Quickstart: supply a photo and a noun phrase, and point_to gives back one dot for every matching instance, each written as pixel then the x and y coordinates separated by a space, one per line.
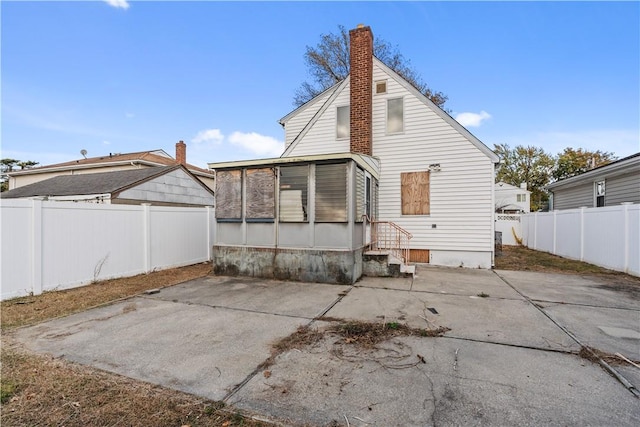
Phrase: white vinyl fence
pixel 510 226
pixel 607 236
pixel 49 245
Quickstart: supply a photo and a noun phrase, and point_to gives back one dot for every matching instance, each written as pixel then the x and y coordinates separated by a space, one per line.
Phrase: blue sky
pixel 123 76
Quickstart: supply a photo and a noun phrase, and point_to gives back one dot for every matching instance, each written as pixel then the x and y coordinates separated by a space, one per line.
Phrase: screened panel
pixel 342 122
pixel 331 193
pixel 229 194
pixel 415 193
pixel 294 184
pixel 260 193
pixel 395 116
pixel 360 195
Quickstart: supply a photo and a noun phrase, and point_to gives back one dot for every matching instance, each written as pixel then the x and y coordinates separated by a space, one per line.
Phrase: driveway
pixel 510 356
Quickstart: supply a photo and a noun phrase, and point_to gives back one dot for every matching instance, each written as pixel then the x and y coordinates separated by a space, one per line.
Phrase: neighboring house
pixel 607 185
pixel 159 186
pixel 109 163
pixel 436 178
pixel 367 157
pixel 511 199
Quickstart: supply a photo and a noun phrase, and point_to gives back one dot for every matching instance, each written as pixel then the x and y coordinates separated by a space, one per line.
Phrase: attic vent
pixel 381 87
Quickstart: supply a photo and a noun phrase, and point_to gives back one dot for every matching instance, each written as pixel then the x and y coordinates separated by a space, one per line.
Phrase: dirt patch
pixel 520 258
pixel 33 309
pixel 39 390
pixel 594 355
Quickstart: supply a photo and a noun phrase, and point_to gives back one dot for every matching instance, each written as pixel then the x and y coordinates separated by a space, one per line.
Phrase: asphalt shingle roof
pixel 94 183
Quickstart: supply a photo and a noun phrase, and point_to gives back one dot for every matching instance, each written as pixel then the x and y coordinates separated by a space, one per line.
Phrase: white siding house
pixel 512 199
pixel 457 226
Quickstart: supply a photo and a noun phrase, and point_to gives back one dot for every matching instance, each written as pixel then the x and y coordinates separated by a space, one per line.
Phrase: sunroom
pixel 295 218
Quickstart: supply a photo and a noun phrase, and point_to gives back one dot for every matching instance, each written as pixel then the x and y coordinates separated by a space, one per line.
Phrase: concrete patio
pixel 509 358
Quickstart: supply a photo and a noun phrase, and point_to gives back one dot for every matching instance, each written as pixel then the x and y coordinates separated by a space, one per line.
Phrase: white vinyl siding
pixel 461 201
pixel 295 124
pixel 461 205
pixel 321 138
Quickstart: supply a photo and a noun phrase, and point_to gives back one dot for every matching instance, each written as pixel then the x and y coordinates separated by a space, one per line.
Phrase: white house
pixel 512 199
pixel 436 178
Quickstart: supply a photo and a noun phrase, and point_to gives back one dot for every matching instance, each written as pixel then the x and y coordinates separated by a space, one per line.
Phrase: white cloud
pixel 120 4
pixel 208 135
pixel 106 143
pixel 472 119
pixel 260 145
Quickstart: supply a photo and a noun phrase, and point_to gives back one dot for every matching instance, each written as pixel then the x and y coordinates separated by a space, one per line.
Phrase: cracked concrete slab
pixel 460 383
pixel 613 291
pixel 193 348
pixel 261 295
pixel 485 319
pixel 441 280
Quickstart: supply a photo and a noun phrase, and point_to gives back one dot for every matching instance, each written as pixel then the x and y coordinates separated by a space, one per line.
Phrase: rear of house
pixel 436 178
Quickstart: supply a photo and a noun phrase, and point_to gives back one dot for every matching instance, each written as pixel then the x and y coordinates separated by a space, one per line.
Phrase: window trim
pixel 348 135
pixel 596 196
pixel 387 131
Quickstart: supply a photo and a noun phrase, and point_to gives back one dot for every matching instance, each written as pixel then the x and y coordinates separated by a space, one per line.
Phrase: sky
pixel 123 76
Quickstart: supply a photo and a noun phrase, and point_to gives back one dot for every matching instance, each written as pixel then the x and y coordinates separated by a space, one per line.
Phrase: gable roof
pixel 625 165
pixel 409 87
pixel 92 183
pixel 337 89
pixel 150 158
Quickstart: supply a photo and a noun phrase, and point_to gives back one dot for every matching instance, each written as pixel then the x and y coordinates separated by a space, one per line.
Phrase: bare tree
pixel 328 64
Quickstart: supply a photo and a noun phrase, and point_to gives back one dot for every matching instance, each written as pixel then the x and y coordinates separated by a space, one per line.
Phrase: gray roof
pixel 93 183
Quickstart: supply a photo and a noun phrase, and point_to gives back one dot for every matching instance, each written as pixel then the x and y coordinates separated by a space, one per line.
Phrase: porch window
pixel 260 194
pixel 294 183
pixel 331 193
pixel 342 122
pixel 229 194
pixel 395 115
pixel 415 193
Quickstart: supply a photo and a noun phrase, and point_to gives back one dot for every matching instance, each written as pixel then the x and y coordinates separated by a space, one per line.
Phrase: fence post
pixel 555 232
pixel 582 209
pixel 535 231
pixel 209 234
pixel 146 235
pixel 36 247
pixel 627 240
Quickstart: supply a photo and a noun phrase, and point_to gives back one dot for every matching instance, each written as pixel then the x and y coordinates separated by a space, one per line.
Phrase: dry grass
pixel 33 309
pixel 525 259
pixel 42 391
pixel 593 355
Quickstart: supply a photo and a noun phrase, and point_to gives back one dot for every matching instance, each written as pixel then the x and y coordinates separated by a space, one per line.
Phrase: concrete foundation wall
pixel 465 259
pixel 377 265
pixel 305 265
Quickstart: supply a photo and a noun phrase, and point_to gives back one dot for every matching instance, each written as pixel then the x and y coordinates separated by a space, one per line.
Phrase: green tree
pixel 328 64
pixel 575 162
pixel 7 165
pixel 526 164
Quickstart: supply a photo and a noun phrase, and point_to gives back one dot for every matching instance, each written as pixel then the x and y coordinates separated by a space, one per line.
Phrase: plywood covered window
pixel 260 194
pixel 331 193
pixel 229 194
pixel 294 185
pixel 415 193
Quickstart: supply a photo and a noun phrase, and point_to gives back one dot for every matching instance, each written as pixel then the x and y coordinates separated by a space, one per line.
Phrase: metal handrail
pixel 389 236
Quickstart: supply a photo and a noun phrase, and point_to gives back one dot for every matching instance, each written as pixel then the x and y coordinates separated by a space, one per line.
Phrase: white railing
pixel 48 245
pixel 388 236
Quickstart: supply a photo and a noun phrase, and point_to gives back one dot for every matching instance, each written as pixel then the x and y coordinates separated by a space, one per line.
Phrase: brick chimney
pixel 181 153
pixel 361 82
